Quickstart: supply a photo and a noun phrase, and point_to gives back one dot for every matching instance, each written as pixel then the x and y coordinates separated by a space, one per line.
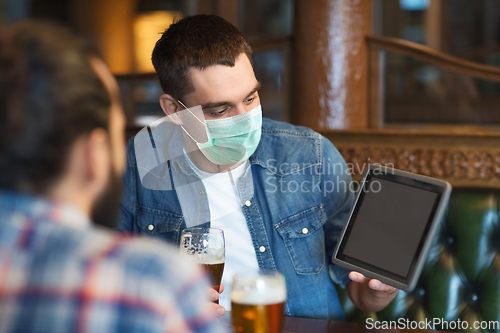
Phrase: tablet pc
pixel 391 225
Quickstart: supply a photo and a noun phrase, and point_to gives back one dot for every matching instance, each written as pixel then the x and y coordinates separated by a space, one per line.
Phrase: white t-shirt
pixel 226 214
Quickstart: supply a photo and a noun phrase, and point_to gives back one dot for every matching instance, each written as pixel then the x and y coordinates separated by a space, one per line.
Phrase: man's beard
pixel 105 210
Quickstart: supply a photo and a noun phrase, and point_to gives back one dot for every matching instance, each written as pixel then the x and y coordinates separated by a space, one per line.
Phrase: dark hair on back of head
pixel 49 96
pixel 195 41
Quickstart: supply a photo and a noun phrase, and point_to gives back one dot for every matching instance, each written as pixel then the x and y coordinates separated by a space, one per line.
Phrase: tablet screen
pixel 389 224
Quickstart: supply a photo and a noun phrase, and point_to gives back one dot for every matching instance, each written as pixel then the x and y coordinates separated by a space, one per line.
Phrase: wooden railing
pixel 377 45
pixel 465 155
pixel 422 52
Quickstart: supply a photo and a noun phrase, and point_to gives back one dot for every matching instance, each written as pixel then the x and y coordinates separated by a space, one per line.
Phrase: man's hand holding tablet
pixel 388 233
pixel 369 294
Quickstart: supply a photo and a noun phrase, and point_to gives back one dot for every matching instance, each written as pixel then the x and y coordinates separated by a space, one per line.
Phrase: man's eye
pixel 218 112
pixel 250 100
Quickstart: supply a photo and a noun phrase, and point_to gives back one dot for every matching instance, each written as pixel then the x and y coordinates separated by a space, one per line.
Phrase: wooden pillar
pixel 109 23
pixel 330 63
pixel 433 23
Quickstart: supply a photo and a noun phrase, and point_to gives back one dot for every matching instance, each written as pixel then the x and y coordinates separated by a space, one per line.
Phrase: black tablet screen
pixel 388 225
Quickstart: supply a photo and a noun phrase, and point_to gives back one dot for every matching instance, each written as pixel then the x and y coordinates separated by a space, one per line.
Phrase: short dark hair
pixel 49 97
pixel 195 41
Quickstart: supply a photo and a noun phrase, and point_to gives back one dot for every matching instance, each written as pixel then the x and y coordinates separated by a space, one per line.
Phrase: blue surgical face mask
pixel 234 139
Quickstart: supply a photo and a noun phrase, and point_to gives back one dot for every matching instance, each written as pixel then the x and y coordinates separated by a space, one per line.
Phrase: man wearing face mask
pixel 214 161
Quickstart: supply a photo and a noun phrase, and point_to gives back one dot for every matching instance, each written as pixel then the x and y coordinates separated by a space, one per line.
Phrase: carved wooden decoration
pixel 463 160
pixel 429 162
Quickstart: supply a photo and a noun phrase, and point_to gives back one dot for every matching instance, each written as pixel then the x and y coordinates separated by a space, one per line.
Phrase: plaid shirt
pixel 58 273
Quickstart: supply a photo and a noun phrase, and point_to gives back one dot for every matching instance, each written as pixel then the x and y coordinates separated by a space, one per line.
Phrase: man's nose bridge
pixel 241 108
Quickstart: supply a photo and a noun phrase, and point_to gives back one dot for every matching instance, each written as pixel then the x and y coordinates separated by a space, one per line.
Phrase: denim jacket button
pixel 305 231
pixel 262 249
pixel 201 192
pixel 151 227
pixel 248 204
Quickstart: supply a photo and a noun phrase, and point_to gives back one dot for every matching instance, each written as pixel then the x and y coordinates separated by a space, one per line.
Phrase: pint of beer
pixel 205 246
pixel 215 268
pixel 257 302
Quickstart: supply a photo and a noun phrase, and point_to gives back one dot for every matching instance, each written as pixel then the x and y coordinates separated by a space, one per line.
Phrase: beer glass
pixel 205 246
pixel 258 301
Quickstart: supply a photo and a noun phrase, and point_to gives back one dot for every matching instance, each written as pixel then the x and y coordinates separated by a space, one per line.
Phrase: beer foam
pixel 208 259
pixel 260 297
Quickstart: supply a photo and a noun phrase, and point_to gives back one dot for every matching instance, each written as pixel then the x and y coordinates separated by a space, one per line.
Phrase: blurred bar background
pixel 319 68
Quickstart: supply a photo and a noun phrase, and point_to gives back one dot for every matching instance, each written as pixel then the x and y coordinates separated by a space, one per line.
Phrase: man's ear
pixel 170 107
pixel 168 104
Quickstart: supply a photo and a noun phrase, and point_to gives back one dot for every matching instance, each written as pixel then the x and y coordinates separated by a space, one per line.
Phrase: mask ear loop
pixel 191 112
pixel 185 131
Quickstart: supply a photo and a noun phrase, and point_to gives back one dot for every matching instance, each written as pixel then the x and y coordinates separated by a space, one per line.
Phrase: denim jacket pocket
pixel 159 224
pixel 304 239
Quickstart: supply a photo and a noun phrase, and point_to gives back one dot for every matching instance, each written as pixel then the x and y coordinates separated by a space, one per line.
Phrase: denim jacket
pixel 295 198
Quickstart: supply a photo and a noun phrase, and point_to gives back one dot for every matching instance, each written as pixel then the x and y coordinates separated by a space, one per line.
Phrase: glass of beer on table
pixel 205 246
pixel 258 302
